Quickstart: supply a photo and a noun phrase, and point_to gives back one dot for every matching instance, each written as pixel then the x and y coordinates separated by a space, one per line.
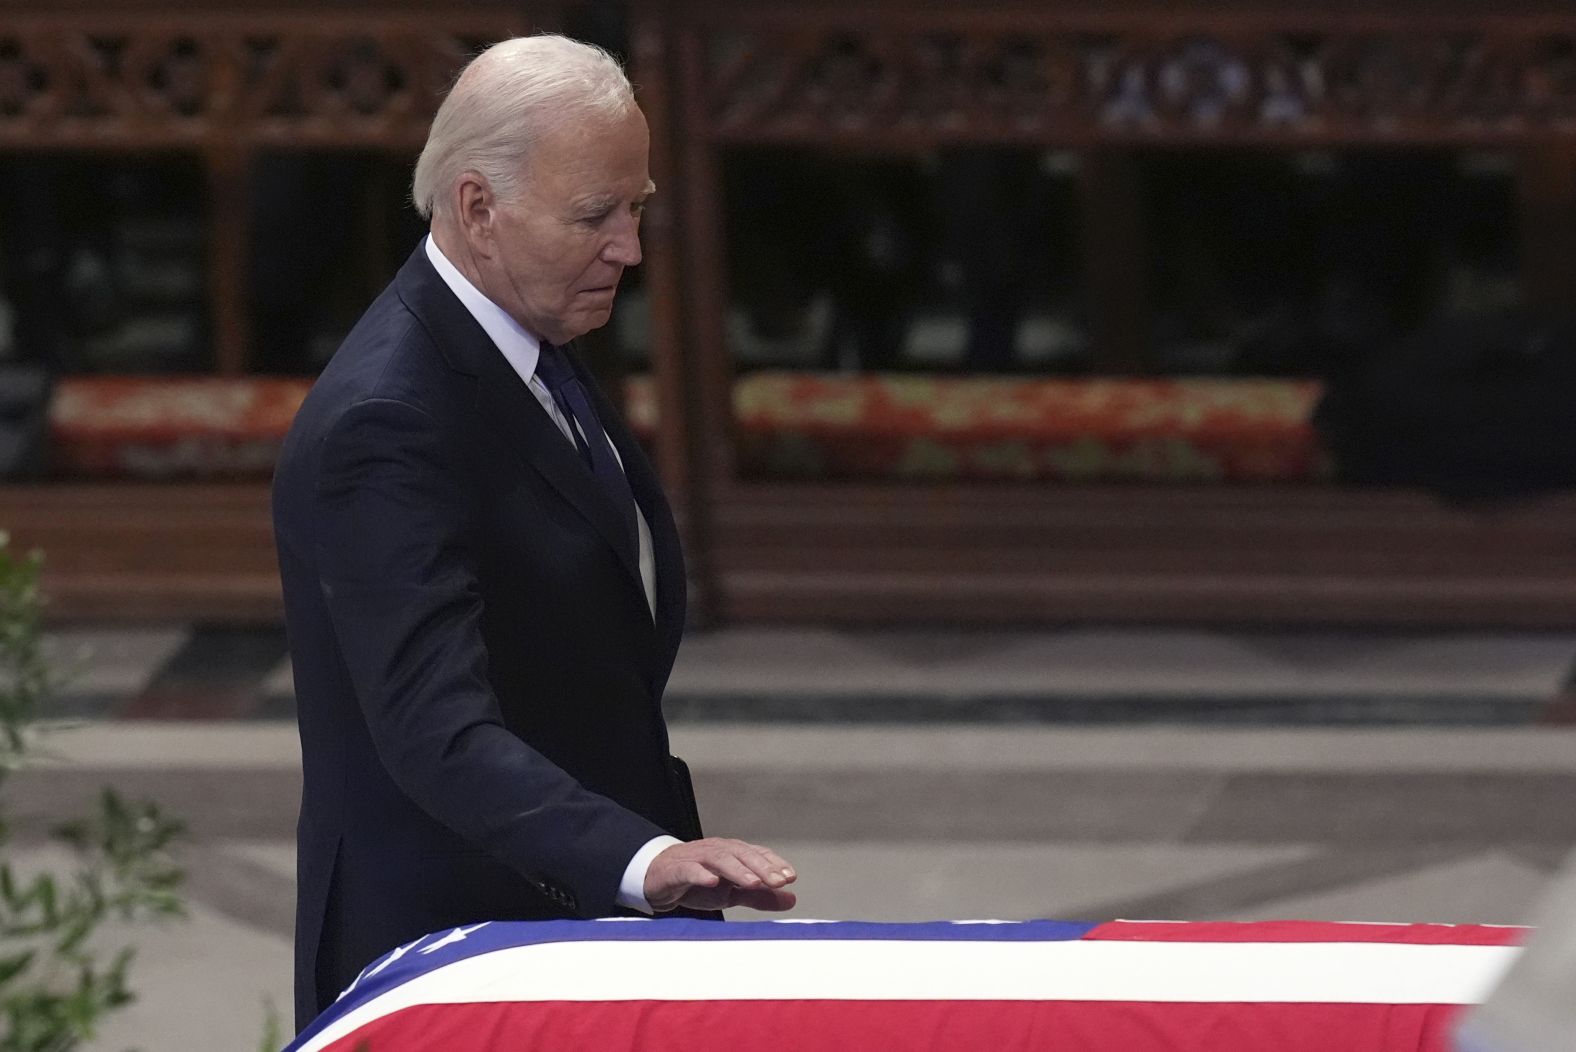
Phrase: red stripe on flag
pixel 1308 931
pixel 905 1026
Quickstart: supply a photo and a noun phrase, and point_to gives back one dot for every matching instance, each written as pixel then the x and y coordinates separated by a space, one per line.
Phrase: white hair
pixel 505 100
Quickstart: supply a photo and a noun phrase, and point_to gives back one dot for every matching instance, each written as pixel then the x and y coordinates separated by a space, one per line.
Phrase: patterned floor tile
pixel 101 668
pixel 1315 872
pixel 1070 676
pixel 218 674
pixel 1400 809
pixel 1486 888
pixel 902 882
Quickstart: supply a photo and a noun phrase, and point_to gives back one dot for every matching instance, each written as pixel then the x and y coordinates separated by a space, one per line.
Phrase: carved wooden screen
pixel 880 76
pixel 225 85
pixel 119 81
pixel 874 74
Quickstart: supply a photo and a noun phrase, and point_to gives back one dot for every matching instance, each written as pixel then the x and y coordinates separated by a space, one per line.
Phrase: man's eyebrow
pixel 603 202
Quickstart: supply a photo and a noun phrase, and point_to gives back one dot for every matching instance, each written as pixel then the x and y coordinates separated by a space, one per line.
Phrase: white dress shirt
pixel 521 349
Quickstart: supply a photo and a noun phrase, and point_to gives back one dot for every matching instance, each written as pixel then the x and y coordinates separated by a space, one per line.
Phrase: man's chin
pixel 586 321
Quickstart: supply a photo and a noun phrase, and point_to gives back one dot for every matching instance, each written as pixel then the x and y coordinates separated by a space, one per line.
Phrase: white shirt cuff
pixel 632 889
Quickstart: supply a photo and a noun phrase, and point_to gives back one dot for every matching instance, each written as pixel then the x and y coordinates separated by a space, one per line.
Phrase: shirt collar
pixel 518 346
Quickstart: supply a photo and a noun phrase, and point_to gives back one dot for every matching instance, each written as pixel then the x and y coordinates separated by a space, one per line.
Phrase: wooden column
pixel 705 360
pixel 659 242
pixel 385 186
pixel 706 271
pixel 1548 224
pixel 1116 260
pixel 229 235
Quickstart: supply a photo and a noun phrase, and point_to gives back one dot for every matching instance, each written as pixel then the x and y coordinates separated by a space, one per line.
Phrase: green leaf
pixel 13 965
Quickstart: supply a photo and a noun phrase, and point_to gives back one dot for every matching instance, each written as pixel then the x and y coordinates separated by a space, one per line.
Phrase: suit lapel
pixel 509 404
pixel 666 552
pixel 528 429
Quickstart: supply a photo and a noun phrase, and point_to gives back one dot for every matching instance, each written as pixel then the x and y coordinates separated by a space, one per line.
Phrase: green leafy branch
pixel 55 985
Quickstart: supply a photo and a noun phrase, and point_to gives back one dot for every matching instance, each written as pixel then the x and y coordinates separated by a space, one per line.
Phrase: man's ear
pixel 477 209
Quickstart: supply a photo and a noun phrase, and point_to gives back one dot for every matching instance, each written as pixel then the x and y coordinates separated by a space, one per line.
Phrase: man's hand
pixel 715 873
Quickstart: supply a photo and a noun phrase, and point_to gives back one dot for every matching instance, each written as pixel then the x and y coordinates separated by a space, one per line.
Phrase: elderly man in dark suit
pixel 483 585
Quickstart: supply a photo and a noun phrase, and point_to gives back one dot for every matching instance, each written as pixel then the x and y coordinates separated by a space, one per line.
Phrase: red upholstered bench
pixel 171 427
pixel 790 425
pixel 805 425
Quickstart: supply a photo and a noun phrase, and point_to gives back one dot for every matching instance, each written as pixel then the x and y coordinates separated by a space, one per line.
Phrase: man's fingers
pixel 778 863
pixel 771 900
pixel 745 865
pixel 747 869
pixel 773 861
pixel 767 867
pixel 712 873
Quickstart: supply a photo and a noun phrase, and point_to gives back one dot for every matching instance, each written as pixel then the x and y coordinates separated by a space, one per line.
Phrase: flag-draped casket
pixel 960 986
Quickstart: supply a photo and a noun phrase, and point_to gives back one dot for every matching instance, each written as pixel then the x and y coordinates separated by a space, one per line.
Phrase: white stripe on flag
pixel 900 970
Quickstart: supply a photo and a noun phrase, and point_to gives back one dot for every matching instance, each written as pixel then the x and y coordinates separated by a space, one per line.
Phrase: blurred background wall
pixel 973 312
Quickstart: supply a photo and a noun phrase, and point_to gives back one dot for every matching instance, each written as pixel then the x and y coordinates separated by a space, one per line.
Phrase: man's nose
pixel 624 248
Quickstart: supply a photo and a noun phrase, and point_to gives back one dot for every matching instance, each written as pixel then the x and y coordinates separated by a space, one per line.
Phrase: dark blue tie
pixel 559 376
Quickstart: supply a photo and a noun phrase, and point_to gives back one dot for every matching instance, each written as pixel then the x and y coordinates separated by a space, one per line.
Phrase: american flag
pixel 955 986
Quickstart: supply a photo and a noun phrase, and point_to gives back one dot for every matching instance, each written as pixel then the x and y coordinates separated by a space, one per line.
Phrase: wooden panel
pixel 1140 554
pixel 145 8
pixel 875 554
pixel 149 551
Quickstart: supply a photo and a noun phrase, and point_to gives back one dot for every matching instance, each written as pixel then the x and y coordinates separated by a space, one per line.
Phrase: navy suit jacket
pixel 478 675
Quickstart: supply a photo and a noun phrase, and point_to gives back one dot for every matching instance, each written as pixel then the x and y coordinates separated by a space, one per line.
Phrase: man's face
pixel 563 245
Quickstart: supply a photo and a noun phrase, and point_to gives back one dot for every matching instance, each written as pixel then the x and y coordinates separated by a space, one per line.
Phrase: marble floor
pixel 896 823
pixel 1120 676
pixel 1079 775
